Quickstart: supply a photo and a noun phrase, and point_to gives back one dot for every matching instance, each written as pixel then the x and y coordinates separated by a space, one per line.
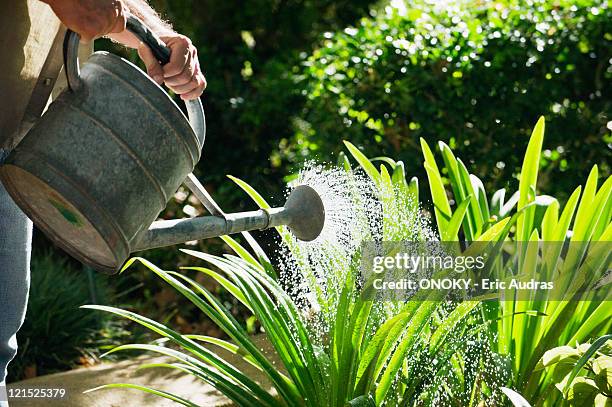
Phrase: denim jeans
pixel 15 247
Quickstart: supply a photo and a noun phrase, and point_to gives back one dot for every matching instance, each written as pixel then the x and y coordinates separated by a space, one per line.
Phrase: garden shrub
pixel 428 349
pixel 592 386
pixel 474 74
pixel 56 333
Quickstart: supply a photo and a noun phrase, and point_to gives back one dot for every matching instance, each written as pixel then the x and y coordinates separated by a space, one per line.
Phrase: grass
pixel 430 350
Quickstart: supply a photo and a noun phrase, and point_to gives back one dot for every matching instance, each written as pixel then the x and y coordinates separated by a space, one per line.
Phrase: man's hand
pixel 182 74
pixel 95 18
pixel 91 18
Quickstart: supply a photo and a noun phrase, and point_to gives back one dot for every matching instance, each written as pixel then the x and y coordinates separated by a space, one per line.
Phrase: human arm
pixel 182 74
pixel 91 18
pixel 95 18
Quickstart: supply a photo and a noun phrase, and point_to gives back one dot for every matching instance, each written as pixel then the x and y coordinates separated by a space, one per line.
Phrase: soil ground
pixel 75 382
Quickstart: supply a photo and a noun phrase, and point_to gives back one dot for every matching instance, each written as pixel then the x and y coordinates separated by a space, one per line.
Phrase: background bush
pixel 288 80
pixel 474 74
pixel 56 334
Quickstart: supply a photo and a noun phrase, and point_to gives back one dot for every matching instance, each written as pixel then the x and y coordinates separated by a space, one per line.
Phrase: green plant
pixel 592 388
pixel 583 374
pixel 56 333
pixel 425 351
pixel 370 354
pixel 313 373
pixel 525 329
pixel 471 73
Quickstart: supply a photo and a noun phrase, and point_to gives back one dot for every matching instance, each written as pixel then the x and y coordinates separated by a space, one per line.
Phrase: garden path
pixel 78 380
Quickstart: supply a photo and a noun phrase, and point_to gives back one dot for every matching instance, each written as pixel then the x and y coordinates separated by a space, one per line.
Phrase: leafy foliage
pixel 373 355
pixel 474 74
pixel 355 365
pixel 594 385
pixel 56 333
pixel 526 328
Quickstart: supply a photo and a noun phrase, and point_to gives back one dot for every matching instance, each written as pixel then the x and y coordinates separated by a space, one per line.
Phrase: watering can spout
pixel 303 213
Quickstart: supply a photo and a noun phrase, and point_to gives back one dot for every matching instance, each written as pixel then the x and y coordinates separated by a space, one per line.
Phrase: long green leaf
pixel 145 389
pixel 365 163
pixel 452 229
pixel 528 180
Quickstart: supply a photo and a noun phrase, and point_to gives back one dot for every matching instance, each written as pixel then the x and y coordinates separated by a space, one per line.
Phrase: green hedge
pixel 474 74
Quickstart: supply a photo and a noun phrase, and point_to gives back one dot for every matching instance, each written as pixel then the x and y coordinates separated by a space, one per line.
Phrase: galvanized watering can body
pixel 104 160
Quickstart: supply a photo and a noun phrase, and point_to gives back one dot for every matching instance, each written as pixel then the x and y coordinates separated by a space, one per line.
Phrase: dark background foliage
pixel 56 334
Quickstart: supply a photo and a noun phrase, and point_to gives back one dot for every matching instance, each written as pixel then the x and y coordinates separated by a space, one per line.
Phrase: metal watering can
pixel 101 164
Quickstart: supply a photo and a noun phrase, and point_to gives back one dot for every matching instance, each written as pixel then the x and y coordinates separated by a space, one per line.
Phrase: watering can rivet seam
pixel 268 217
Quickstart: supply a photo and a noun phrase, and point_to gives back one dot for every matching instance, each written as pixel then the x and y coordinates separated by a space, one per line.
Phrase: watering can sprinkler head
pixel 306 213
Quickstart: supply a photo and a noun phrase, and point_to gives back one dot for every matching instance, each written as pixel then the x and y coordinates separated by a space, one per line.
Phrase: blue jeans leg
pixel 15 248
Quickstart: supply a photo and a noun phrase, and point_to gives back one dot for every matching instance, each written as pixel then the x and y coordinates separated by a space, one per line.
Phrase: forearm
pixel 92 19
pixel 142 10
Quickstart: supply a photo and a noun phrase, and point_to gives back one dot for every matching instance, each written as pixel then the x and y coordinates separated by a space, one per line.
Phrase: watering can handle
pixel 144 34
pixel 134 25
pixel 195 110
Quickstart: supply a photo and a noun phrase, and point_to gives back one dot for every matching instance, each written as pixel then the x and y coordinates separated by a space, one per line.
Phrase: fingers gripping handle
pixel 135 26
pixel 160 51
pixel 144 34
